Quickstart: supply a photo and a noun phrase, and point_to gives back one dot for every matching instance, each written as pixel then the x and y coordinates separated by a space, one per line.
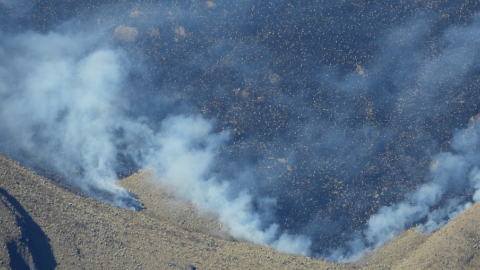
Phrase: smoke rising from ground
pixel 322 129
pixel 60 105
pixel 63 107
pixel 450 181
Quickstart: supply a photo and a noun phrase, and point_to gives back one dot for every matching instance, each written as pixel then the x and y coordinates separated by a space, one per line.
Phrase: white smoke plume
pixel 58 98
pixel 451 172
pixel 452 183
pixel 61 101
pixel 183 156
pixel 325 134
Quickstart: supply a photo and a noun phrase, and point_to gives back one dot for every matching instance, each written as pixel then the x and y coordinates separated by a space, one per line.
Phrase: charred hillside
pixel 317 128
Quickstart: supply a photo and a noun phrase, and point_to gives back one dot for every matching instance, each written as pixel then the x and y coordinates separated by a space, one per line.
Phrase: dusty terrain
pixel 48 226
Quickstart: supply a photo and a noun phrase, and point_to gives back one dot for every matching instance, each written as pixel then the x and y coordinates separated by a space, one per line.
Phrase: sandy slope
pixel 41 222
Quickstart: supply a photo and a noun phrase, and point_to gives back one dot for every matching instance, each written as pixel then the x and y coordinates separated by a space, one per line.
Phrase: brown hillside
pixel 455 246
pixel 49 227
pixel 87 234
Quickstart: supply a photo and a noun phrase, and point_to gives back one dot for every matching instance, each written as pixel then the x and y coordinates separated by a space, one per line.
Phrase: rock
pixel 126 33
pixel 210 4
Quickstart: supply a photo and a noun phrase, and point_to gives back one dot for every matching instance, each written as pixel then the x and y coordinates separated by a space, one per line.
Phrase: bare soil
pixel 46 226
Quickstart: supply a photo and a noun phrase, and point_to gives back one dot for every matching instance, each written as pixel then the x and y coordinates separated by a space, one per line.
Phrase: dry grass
pixel 88 234
pixel 172 234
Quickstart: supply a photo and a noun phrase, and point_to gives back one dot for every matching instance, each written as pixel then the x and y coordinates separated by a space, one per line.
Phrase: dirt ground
pixel 47 226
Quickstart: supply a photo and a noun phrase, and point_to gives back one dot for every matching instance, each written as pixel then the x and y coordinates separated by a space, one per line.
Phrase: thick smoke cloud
pixel 322 129
pixel 62 107
pixel 184 158
pixel 60 104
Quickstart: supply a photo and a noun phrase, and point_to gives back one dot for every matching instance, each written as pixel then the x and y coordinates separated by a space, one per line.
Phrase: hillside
pixel 302 124
pixel 46 225
pixel 87 234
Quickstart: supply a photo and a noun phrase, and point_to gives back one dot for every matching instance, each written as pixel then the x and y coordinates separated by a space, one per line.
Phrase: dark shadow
pixel 17 262
pixel 33 237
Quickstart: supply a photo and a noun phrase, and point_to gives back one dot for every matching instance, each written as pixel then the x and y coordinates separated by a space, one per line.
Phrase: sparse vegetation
pixel 172 234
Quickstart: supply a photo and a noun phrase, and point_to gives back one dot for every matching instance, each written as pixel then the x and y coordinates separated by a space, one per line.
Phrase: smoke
pixel 454 173
pixel 184 157
pixel 63 109
pixel 322 129
pixel 60 105
pixel 451 182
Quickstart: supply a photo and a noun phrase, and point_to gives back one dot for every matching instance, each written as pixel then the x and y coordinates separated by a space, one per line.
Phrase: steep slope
pixel 455 246
pixel 85 233
pixel 9 234
pixel 41 219
pixel 393 253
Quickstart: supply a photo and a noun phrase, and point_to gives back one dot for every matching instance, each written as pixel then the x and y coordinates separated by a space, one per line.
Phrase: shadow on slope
pixel 32 250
